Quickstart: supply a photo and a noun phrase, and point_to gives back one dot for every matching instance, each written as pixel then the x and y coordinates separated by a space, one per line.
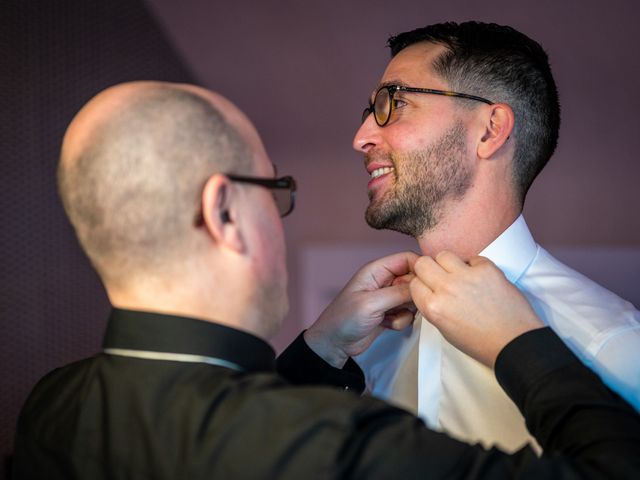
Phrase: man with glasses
pixel 186 386
pixel 464 118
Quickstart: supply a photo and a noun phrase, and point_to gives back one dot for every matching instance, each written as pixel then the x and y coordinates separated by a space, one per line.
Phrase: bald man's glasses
pixel 283 190
pixel 383 103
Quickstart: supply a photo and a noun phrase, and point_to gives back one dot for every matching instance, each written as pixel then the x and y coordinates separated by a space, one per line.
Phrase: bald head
pixel 133 164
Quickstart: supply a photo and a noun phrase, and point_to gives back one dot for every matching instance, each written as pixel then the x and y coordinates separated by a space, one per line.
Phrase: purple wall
pixel 303 71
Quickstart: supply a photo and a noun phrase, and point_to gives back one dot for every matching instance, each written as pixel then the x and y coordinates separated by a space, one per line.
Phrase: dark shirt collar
pixel 135 330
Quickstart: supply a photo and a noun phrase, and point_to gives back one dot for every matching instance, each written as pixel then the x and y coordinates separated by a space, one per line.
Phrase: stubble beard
pixel 424 180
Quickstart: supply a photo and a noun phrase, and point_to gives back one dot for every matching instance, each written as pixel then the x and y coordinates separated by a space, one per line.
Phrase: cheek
pixel 407 138
pixel 420 131
pixel 271 247
pixel 281 255
pixel 267 239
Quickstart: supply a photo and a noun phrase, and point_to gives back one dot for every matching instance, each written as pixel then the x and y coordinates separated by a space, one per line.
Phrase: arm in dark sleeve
pixel 302 366
pixel 586 430
pixel 576 419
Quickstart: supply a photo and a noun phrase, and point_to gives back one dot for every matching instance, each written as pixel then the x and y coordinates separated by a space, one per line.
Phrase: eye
pixel 398 103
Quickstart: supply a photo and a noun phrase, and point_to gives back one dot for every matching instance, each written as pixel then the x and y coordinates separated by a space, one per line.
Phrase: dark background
pixel 302 71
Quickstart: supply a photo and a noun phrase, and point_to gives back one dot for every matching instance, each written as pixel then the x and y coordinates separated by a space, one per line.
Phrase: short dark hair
pixel 499 63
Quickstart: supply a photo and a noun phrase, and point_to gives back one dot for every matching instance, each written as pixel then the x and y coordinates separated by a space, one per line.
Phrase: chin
pixel 377 216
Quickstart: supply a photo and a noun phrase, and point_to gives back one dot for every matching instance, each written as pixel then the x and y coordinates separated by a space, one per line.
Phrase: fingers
pixel 475 261
pixel 421 294
pixel 398 320
pixel 384 270
pixel 429 272
pixel 389 298
pixel 484 269
pixel 403 279
pixel 450 262
pixel 434 273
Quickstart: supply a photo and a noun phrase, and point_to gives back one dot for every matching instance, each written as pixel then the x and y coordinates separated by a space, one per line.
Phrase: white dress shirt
pixel 461 396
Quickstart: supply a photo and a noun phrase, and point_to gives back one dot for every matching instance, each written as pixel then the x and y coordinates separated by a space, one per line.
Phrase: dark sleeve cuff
pixel 302 366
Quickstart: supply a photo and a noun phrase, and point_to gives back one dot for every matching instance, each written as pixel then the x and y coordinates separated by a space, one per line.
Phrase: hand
pixel 377 297
pixel 473 305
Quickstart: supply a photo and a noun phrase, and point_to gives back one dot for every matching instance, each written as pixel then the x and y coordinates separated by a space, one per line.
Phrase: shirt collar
pixel 147 331
pixel 513 251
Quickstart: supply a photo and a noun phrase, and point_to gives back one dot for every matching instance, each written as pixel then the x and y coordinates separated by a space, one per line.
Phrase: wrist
pixel 325 349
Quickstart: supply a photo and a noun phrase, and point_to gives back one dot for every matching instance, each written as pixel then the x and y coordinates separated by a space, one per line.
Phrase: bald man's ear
pixel 219 214
pixel 499 128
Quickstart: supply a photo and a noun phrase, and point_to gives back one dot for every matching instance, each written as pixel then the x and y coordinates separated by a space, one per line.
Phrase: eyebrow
pixel 388 83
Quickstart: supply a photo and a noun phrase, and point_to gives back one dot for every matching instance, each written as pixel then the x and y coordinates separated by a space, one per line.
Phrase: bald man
pixel 174 200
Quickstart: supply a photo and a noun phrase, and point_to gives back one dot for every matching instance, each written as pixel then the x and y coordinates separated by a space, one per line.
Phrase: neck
pixel 470 224
pixel 210 300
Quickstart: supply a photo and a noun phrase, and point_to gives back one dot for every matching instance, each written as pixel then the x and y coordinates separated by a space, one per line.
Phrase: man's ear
pixel 499 128
pixel 219 213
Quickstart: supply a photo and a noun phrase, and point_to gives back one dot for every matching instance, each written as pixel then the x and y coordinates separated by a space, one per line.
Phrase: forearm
pixel 586 431
pixel 568 409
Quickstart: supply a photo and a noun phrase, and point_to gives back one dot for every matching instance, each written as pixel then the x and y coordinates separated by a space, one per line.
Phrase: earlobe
pixel 498 130
pixel 219 214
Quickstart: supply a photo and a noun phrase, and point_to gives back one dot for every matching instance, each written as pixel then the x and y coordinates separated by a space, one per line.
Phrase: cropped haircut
pixel 501 64
pixel 133 190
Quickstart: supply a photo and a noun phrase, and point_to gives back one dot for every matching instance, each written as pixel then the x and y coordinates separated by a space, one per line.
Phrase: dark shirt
pixel 114 416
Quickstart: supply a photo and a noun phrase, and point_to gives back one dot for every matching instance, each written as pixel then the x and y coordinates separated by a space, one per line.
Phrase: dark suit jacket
pixel 179 398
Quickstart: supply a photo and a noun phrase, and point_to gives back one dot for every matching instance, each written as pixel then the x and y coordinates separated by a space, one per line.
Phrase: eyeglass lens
pixel 382 106
pixel 284 200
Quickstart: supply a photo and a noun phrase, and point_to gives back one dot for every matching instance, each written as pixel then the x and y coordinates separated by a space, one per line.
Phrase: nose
pixel 367 136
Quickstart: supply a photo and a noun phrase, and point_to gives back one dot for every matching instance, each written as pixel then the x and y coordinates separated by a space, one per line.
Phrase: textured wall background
pixel 55 56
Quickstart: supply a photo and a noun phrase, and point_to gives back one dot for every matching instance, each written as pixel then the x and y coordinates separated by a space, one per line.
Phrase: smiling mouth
pixel 381 171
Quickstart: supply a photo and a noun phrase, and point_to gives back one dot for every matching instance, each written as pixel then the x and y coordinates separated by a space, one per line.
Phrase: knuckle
pixel 433 309
pixel 421 262
pixel 443 256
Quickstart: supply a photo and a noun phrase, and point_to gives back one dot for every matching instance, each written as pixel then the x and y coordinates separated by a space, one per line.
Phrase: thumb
pixel 473 261
pixel 399 319
pixel 387 298
pixel 403 279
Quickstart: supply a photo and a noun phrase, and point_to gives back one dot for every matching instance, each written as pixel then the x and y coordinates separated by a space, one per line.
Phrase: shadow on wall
pixel 59 54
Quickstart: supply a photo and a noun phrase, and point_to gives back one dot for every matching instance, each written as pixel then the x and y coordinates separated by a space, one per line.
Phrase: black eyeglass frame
pixel 287 182
pixel 281 183
pixel 393 89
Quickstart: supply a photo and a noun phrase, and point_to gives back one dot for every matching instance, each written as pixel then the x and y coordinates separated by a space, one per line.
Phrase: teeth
pixel 381 171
